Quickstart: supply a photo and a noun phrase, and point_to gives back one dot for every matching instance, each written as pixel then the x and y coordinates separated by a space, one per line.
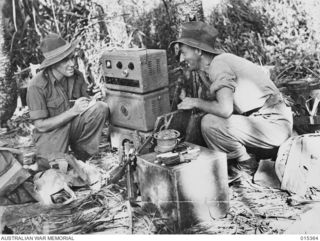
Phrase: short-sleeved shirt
pixel 250 82
pixel 47 97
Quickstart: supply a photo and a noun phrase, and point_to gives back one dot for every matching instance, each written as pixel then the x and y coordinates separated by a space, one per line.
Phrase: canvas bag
pixel 298 164
pixel 12 174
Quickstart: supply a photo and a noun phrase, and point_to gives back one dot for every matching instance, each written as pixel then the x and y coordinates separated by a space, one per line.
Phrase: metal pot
pixel 166 140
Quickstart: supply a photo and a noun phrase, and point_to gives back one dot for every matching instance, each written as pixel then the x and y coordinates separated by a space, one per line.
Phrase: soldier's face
pixel 66 66
pixel 191 56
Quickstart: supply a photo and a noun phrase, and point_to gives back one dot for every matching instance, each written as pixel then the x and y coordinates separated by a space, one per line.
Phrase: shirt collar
pixel 52 78
pixel 206 68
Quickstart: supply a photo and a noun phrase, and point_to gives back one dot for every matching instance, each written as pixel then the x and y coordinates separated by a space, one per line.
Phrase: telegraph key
pixel 135 70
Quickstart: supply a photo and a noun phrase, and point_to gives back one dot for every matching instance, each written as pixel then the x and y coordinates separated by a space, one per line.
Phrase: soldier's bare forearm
pixel 222 106
pixel 214 108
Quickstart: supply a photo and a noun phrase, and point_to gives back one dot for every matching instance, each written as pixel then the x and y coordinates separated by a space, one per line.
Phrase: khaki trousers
pixel 82 134
pixel 267 128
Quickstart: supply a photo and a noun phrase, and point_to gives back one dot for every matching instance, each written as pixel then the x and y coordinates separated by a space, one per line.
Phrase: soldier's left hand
pixel 188 103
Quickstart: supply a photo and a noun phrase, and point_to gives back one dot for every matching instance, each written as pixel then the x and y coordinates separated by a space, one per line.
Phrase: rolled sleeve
pixel 221 76
pixel 38 114
pixel 36 103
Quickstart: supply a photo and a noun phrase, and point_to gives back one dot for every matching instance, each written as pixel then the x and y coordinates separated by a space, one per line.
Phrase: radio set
pixel 138 112
pixel 135 70
pixel 137 83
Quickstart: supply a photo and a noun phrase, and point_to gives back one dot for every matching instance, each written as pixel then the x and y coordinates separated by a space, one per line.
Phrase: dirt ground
pixel 253 209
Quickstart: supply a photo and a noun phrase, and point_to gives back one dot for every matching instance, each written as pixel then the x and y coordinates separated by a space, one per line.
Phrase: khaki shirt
pixel 250 82
pixel 47 97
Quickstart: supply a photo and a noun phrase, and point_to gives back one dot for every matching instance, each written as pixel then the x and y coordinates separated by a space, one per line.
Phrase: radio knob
pixel 125 73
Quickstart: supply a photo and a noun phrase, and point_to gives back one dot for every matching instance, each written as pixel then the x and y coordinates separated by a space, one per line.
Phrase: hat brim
pixel 48 62
pixel 196 44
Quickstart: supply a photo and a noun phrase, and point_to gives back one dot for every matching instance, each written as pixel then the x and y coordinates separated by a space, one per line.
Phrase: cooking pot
pixel 166 140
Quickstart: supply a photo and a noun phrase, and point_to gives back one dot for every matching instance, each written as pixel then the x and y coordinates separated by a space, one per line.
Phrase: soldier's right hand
pixel 80 105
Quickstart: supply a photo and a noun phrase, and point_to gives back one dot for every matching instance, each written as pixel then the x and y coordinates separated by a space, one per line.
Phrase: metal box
pixel 136 111
pixel 187 193
pixel 135 70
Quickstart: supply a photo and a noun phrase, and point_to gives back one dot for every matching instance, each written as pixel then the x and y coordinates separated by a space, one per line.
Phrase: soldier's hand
pixel 80 105
pixel 94 91
pixel 97 93
pixel 188 103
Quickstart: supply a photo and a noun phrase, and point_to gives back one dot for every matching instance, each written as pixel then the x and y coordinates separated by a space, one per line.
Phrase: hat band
pixel 196 44
pixel 57 51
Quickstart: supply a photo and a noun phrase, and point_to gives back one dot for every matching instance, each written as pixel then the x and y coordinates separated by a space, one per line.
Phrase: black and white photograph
pixel 170 118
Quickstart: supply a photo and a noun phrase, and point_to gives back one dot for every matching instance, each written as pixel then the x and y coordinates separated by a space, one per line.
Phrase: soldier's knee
pixel 210 122
pixel 102 108
pixel 204 123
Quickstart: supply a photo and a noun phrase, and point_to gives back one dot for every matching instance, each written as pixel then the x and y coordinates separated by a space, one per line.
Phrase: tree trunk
pixel 8 84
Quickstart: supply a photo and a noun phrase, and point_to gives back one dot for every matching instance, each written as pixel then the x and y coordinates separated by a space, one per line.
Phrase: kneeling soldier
pixel 57 124
pixel 245 107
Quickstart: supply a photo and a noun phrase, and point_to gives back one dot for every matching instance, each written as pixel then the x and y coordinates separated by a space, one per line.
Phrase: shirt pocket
pixel 56 106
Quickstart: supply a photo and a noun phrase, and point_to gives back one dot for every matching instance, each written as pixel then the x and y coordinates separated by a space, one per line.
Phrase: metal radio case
pixel 137 111
pixel 135 70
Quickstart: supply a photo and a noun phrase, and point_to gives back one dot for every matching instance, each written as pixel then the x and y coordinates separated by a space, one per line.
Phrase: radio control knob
pixel 125 73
